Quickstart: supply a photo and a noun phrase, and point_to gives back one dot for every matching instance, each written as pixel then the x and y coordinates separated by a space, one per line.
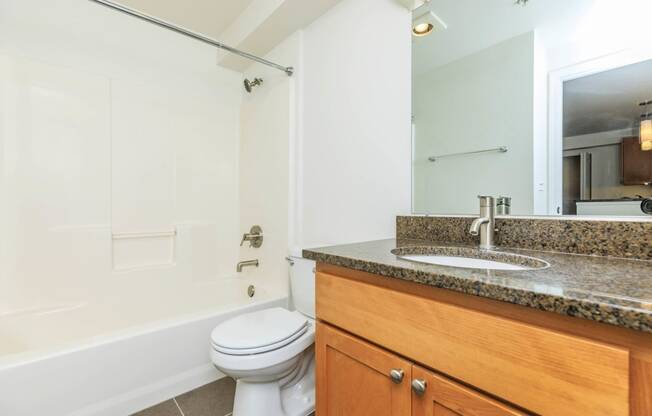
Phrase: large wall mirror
pixel 544 104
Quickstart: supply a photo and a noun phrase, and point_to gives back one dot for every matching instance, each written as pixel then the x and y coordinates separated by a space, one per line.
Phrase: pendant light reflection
pixel 645 133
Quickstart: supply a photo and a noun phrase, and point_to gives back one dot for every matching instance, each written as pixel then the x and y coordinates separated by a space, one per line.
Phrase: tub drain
pixel 251 291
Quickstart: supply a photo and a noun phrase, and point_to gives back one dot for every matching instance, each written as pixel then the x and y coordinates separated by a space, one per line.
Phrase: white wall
pixel 103 132
pixel 355 132
pixel 482 101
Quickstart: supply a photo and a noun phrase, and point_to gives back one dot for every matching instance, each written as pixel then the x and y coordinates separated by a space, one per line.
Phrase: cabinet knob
pixel 396 375
pixel 419 386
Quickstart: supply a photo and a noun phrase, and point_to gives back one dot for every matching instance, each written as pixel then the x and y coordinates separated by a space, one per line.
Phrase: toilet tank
pixel 302 285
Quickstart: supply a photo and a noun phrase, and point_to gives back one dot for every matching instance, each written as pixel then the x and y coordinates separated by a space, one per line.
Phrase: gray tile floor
pixel 214 399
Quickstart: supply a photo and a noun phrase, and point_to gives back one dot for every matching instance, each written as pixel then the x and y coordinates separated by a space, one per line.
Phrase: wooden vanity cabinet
pixel 478 357
pixel 356 378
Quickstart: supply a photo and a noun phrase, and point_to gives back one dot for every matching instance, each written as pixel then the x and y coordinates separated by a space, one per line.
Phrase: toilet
pixel 270 353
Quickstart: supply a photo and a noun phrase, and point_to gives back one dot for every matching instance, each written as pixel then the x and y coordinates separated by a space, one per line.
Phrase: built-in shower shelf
pixel 141 250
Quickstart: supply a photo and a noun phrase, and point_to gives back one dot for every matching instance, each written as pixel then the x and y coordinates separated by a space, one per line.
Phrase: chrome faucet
pixel 486 224
pixel 247 263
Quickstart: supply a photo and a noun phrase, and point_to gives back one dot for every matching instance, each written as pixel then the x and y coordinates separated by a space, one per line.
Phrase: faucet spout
pixel 485 225
pixel 477 224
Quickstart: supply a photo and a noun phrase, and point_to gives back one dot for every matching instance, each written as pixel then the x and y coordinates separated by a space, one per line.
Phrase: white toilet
pixel 270 353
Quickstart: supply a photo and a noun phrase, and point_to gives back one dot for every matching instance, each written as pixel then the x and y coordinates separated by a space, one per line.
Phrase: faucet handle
pixel 254 236
pixel 486 200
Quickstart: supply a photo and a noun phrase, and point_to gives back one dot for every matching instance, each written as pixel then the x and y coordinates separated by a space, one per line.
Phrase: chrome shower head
pixel 249 85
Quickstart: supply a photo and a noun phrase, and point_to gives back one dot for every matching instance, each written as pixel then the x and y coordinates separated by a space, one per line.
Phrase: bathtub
pixel 117 354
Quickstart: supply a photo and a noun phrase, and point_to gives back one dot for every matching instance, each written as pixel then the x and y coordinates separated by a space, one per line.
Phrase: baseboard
pixel 152 394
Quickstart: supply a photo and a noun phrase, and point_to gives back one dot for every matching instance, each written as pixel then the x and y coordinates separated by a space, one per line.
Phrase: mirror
pixel 544 104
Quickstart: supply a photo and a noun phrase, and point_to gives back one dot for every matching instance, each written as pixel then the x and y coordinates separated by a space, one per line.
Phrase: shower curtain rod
pixel 131 12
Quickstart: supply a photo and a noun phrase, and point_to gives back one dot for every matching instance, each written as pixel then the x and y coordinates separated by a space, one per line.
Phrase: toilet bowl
pixel 270 353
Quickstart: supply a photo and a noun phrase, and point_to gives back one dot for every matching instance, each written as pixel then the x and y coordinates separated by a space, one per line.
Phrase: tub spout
pixel 247 263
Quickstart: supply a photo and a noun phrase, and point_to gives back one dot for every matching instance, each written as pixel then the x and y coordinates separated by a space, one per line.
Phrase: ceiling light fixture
pixel 645 131
pixel 422 29
pixel 426 23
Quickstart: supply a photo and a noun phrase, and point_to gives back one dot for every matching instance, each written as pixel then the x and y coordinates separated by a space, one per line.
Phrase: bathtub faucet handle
pixel 254 236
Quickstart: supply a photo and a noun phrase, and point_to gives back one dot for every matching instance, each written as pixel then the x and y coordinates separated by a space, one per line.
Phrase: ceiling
pixel 608 100
pixel 474 25
pixel 209 17
pixel 254 26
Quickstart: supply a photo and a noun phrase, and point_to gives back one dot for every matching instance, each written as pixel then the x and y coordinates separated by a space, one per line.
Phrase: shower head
pixel 249 85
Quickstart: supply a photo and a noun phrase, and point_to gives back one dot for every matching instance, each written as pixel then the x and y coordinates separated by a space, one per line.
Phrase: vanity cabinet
pixel 444 397
pixel 477 356
pixel 356 378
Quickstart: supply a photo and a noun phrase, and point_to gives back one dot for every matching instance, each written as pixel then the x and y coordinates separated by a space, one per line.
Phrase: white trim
pixel 556 81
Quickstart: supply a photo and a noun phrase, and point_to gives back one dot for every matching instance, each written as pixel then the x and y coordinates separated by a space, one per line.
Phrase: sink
pixel 463 262
pixel 469 258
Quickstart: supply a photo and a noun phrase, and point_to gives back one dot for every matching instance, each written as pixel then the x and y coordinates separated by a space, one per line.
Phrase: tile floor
pixel 214 399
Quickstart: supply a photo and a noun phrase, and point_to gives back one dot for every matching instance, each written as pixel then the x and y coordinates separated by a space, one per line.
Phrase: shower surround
pixel 120 210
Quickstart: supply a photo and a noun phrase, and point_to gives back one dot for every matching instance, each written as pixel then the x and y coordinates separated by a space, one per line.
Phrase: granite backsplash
pixel 626 239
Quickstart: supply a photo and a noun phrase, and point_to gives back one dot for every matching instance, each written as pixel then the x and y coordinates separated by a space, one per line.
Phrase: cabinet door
pixel 636 164
pixel 355 378
pixel 434 395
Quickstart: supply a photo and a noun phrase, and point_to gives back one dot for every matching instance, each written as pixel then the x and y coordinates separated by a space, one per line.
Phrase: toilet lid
pixel 260 350
pixel 259 331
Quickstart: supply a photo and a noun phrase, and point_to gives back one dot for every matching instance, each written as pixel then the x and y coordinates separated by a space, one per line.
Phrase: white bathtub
pixel 118 354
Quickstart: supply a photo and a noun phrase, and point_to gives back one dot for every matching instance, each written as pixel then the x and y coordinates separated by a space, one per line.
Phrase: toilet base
pixel 285 397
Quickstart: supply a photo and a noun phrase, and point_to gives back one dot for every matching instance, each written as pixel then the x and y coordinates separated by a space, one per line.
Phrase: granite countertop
pixel 611 290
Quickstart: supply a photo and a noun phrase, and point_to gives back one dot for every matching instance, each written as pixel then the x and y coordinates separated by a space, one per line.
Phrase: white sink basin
pixel 463 262
pixel 469 258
